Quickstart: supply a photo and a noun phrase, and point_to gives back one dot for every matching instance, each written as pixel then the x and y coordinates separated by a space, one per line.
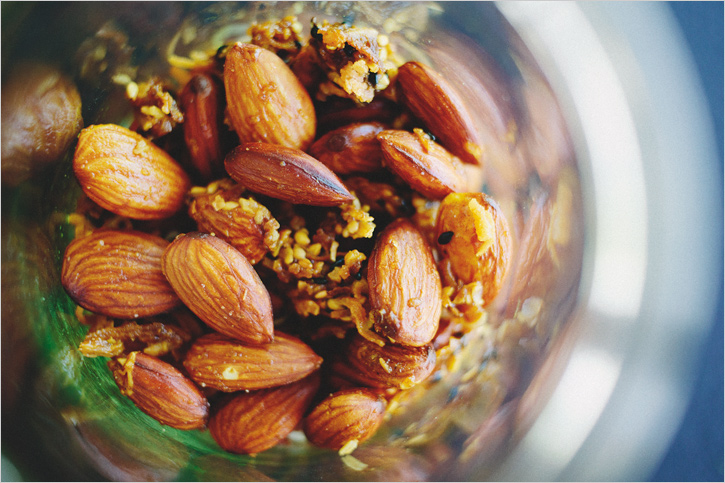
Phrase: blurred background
pixel 696 454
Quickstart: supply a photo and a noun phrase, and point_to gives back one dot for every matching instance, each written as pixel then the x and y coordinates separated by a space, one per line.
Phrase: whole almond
pixel 391 365
pixel 265 101
pixel 127 174
pixel 252 422
pixel 285 173
pixel 431 98
pixel 350 149
pixel 222 363
pixel 220 286
pixel 201 101
pixel 161 391
pixel 345 418
pixel 405 288
pixel 474 239
pixel 424 164
pixel 118 274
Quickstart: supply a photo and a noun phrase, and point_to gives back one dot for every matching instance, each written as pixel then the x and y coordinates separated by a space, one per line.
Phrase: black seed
pixel 348 49
pixel 315 33
pixel 373 78
pixel 445 238
pixel 358 276
pixel 320 280
pixel 339 262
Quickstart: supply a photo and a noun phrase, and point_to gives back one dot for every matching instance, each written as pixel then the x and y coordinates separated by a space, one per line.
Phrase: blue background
pixel 696 454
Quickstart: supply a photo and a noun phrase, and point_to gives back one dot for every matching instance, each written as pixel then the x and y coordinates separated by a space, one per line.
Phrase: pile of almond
pixel 285 242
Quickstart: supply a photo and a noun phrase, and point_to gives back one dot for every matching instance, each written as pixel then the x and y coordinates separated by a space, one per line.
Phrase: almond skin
pixel 161 391
pixel 285 173
pixel 220 286
pixel 405 288
pixel 118 274
pixel 345 416
pixel 477 244
pixel 127 174
pixel 201 101
pixel 266 101
pixel 252 422
pixel 350 149
pixel 391 365
pixel 434 101
pixel 220 362
pixel 424 164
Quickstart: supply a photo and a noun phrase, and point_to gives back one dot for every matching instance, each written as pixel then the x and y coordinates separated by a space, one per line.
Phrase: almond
pixel 424 164
pixel 220 286
pixel 220 362
pixel 285 173
pixel 201 101
pixel 118 274
pixel 244 223
pixel 345 418
pixel 474 240
pixel 391 365
pixel 266 101
pixel 127 174
pixel 350 149
pixel 252 422
pixel 431 98
pixel 161 391
pixel 405 288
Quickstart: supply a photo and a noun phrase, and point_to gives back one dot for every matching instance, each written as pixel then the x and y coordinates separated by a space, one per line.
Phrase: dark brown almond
pixel 219 362
pixel 432 99
pixel 220 286
pixel 265 100
pixel 252 422
pixel 424 164
pixel 405 288
pixel 350 149
pixel 127 174
pixel 285 173
pixel 118 274
pixel 345 418
pixel 391 365
pixel 161 391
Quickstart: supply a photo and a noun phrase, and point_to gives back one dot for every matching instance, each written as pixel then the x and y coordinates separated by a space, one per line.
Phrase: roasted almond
pixel 405 288
pixel 118 274
pixel 127 174
pixel 201 101
pixel 424 164
pixel 474 239
pixel 350 149
pixel 220 286
pixel 242 222
pixel 391 365
pixel 220 362
pixel 285 173
pixel 345 419
pixel 161 391
pixel 434 101
pixel 252 422
pixel 265 100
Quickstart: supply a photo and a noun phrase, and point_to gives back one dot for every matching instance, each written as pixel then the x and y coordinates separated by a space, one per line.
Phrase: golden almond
pixel 391 365
pixel 127 174
pixel 435 102
pixel 201 101
pixel 252 422
pixel 118 274
pixel 345 419
pixel 287 174
pixel 474 240
pixel 226 364
pixel 424 164
pixel 350 149
pixel 405 288
pixel 220 286
pixel 161 391
pixel 266 101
